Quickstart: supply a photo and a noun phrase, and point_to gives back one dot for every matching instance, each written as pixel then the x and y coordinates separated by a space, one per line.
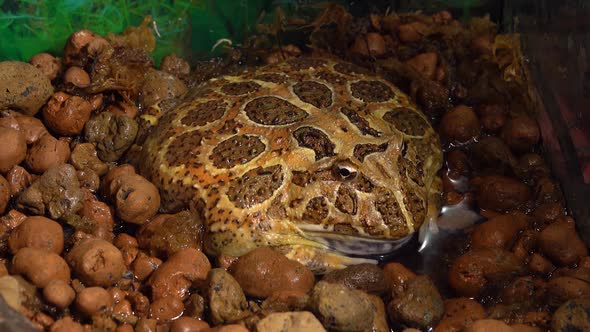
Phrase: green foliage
pixel 186 27
pixel 28 27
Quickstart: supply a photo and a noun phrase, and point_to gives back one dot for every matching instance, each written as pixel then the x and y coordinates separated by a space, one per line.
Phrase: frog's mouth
pixel 351 245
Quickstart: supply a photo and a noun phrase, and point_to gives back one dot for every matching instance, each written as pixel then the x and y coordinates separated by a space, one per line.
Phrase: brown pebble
pixel 442 17
pixel 77 77
pixel 93 300
pixel 5 194
pixel 59 293
pixel 18 179
pixel 14 149
pixel 396 276
pixel 501 193
pixel 48 64
pixel 482 45
pixel 370 44
pixel 547 213
pixel 124 328
pixel 66 324
pixel 29 87
pixel 136 199
pixel 175 65
pixel 561 289
pixel 539 264
pixel 99 212
pixel 366 277
pixel 96 262
pixel 31 127
pixel 47 152
pixel 474 271
pixel 561 243
pixel 487 325
pixel 40 266
pixel 42 319
pixel 174 277
pixel 187 324
pixel 66 114
pixel 492 117
pixel 146 325
pixel 37 232
pixel 225 261
pixel 412 32
pixel 521 134
pixel 166 309
pixel 143 266
pixel 460 125
pixel 123 310
pixel 226 328
pixel 12 219
pixel 499 232
pixel 425 64
pixel 460 313
pixel 264 271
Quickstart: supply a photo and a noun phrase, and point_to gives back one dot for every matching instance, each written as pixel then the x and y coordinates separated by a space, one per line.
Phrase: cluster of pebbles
pixel 83 247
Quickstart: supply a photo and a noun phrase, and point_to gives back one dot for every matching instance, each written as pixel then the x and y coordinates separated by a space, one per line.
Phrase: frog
pixel 318 158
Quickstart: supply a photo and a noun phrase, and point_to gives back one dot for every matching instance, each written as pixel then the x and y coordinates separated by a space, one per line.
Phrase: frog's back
pixel 305 149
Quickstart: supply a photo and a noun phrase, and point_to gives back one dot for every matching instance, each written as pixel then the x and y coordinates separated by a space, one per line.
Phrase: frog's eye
pixel 344 171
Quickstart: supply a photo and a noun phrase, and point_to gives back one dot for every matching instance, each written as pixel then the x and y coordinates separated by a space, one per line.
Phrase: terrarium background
pixel 186 27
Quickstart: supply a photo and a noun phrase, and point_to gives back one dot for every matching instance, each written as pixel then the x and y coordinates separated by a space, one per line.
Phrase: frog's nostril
pixel 345 171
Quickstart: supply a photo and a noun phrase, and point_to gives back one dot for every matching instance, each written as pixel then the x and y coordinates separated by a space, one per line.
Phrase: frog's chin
pixel 351 245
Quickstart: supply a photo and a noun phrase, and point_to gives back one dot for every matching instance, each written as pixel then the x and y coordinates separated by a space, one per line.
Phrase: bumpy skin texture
pixel 308 152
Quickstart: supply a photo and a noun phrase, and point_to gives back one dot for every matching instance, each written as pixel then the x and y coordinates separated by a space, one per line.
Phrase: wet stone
pixel 573 315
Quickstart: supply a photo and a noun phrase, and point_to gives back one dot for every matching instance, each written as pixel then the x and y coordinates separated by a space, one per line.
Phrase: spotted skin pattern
pixel 308 153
